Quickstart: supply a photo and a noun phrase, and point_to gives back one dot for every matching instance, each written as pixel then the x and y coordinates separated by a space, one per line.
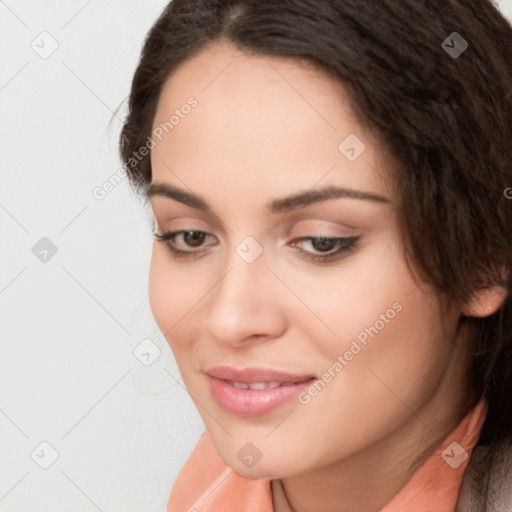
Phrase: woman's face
pixel 253 290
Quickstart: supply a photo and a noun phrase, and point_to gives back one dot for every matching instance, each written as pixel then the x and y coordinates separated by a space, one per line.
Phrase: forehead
pixel 261 122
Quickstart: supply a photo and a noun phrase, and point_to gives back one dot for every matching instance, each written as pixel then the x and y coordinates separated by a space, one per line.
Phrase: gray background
pixel 85 424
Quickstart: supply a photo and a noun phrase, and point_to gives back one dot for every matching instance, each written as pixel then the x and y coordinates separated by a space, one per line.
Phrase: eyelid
pixel 323 228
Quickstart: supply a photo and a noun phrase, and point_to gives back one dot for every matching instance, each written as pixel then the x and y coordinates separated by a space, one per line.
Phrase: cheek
pixel 171 295
pixel 172 298
pixel 387 362
pixel 367 289
pixel 383 325
pixel 175 297
pixel 158 298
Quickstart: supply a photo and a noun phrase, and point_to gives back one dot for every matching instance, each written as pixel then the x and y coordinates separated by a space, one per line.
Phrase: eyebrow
pixel 280 205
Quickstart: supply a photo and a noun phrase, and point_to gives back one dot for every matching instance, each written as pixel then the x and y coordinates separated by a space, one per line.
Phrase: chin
pixel 264 469
pixel 261 472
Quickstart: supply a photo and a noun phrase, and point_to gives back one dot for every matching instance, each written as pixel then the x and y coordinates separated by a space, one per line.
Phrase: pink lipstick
pixel 253 392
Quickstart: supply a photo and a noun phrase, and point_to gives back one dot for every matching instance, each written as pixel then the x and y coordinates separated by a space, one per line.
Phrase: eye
pixel 329 248
pixel 190 238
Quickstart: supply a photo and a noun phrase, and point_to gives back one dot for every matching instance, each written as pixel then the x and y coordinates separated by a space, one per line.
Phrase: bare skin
pixel 265 128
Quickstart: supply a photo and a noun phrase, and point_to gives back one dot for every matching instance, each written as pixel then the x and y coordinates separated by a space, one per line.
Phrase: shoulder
pixel 487 482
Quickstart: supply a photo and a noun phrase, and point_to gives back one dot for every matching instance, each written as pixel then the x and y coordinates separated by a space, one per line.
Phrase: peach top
pixel 207 484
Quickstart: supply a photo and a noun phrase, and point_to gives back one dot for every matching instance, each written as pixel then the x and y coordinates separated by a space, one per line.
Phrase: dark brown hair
pixel 446 119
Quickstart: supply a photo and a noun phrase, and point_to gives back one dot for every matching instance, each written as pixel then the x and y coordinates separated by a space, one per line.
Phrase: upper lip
pixel 254 374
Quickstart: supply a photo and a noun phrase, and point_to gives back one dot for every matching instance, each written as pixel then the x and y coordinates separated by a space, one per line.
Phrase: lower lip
pixel 253 402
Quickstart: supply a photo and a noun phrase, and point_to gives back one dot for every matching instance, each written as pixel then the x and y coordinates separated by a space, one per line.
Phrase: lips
pixel 255 375
pixel 254 391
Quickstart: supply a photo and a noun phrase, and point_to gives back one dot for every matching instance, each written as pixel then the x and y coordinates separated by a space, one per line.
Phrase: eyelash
pixel 346 245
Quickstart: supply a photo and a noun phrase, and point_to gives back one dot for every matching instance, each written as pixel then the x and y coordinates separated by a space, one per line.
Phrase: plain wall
pixel 76 246
pixel 69 325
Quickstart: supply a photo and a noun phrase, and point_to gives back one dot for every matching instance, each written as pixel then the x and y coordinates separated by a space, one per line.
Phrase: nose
pixel 246 304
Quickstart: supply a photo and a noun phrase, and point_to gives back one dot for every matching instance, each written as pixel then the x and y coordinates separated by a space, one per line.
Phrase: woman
pixel 333 243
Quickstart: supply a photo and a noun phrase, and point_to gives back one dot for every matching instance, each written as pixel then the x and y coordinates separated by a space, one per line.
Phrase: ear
pixel 485 302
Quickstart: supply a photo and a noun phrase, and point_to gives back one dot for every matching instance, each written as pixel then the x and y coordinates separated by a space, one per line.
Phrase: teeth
pixel 258 385
pixel 240 385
